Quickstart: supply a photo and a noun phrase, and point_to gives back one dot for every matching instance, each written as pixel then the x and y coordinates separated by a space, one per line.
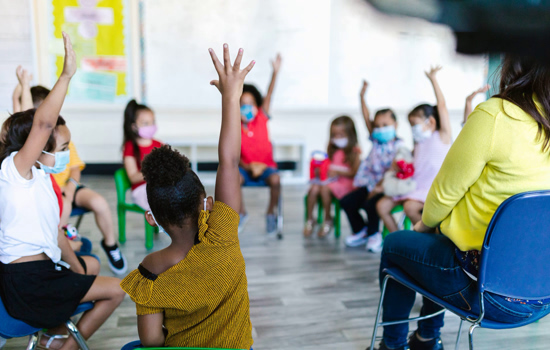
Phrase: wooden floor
pixel 304 293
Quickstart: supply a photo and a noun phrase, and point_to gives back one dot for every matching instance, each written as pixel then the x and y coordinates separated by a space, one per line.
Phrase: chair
pixel 337 217
pixel 12 328
pixel 137 345
pixel 279 208
pixel 503 269
pixel 404 221
pixel 123 184
pixel 78 211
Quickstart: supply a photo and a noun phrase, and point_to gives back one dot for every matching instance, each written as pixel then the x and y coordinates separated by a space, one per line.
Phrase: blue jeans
pixel 259 181
pixel 430 260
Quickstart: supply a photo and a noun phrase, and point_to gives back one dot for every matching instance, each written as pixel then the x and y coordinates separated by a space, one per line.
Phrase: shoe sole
pixel 118 271
pixel 356 243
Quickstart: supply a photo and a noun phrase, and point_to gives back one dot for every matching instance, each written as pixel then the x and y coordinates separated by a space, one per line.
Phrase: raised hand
pixel 479 91
pixel 231 77
pixel 23 76
pixel 433 71
pixel 277 63
pixel 364 88
pixel 69 65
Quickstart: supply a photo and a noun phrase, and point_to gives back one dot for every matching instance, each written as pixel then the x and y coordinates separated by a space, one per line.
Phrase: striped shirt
pixel 204 297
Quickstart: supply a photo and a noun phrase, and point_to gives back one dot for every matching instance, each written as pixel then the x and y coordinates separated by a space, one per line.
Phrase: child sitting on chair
pixel 257 166
pixel 194 292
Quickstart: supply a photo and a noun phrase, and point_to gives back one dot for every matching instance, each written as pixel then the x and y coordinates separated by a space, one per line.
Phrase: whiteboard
pixel 328 46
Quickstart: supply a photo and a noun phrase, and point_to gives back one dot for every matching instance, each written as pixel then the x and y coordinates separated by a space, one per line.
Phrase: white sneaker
pixel 357 239
pixel 374 243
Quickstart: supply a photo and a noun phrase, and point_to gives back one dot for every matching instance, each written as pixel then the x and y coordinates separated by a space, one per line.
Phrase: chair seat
pixel 132 207
pixel 406 280
pixel 77 211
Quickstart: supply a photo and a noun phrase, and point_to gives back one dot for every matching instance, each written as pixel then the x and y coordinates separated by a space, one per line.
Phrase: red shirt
pixel 255 143
pixel 129 152
pixel 58 194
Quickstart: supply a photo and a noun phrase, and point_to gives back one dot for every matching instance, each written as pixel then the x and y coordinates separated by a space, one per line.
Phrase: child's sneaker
pixel 374 243
pixel 243 218
pixel 357 239
pixel 117 261
pixel 271 224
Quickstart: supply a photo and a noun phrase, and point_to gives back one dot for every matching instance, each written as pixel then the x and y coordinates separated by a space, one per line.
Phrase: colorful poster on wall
pixel 99 31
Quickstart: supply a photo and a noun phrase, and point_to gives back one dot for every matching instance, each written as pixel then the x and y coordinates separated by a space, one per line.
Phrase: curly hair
pixel 16 130
pixel 258 98
pixel 174 191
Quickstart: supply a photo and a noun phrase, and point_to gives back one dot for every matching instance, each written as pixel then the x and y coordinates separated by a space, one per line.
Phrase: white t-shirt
pixel 29 214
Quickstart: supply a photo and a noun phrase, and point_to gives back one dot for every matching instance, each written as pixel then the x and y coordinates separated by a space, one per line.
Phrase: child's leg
pixel 274 183
pixel 326 197
pixel 384 208
pixel 351 203
pixel 92 265
pixel 86 198
pixel 372 215
pixel 108 295
pixel 413 210
pixel 312 196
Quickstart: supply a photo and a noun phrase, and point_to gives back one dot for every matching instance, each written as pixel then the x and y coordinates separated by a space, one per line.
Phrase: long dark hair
pixel 427 111
pixel 130 116
pixel 520 79
pixel 349 127
pixel 16 130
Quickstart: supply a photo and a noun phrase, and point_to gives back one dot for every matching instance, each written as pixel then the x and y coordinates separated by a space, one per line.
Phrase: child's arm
pixel 70 187
pixel 16 98
pixel 45 118
pixel 150 331
pixel 347 173
pixel 25 78
pixel 444 120
pixel 364 108
pixel 267 99
pixel 131 167
pixel 230 84
pixel 67 253
pixel 468 108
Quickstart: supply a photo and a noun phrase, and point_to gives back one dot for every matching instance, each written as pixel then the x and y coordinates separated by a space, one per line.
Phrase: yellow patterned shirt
pixel 204 297
pixel 74 162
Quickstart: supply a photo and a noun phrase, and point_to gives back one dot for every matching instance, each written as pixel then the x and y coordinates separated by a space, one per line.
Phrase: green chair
pixel 122 185
pixel 336 220
pixel 406 222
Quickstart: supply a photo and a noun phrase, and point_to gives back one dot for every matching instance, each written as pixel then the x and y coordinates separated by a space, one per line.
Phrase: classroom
pixel 274 174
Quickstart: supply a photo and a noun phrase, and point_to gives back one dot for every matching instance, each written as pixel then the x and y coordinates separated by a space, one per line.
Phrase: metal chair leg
pixel 33 341
pixel 280 217
pixel 76 335
pixel 459 334
pixel 78 221
pixel 377 320
pixel 471 335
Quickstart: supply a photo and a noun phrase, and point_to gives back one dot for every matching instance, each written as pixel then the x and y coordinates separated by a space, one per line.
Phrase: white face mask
pixel 161 229
pixel 419 134
pixel 340 142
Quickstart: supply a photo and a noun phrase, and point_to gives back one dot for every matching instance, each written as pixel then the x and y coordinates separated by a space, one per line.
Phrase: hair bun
pixel 164 167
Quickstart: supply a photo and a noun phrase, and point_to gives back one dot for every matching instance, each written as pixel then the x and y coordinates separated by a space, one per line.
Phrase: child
pixel 76 195
pixel 194 292
pixel 41 279
pixel 369 176
pixel 468 107
pixel 139 129
pixel 344 162
pixel 257 166
pixel 431 128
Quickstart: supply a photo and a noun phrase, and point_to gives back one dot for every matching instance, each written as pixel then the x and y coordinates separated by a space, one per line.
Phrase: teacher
pixel 503 150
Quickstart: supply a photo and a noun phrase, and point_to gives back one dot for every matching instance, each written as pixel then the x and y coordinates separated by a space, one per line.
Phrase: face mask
pixel 384 134
pixel 161 229
pixel 147 132
pixel 340 142
pixel 61 161
pixel 247 112
pixel 419 134
pixel 205 199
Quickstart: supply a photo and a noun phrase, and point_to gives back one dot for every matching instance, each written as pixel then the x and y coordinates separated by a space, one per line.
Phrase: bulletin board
pixel 100 33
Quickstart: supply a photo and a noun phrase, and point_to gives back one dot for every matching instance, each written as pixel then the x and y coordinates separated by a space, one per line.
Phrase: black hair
pixel 39 94
pixel 255 92
pixel 17 129
pixel 130 116
pixel 174 191
pixel 426 111
pixel 384 111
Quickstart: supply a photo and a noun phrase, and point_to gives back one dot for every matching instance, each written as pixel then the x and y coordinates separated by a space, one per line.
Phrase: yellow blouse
pixel 204 297
pixel 74 162
pixel 496 156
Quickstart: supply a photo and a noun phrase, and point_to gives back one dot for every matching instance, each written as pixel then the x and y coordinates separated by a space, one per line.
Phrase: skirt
pixel 41 293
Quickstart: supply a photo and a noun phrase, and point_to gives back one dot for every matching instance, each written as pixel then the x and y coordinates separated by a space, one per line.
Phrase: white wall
pixel 328 46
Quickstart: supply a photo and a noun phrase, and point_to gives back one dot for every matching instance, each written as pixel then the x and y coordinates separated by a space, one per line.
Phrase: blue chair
pixel 12 328
pixel 78 211
pixel 136 344
pixel 503 270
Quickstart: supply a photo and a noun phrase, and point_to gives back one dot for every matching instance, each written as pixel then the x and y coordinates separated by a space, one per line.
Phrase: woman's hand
pixel 421 227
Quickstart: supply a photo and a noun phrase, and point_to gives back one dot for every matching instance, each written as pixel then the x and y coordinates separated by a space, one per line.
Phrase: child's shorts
pixel 41 293
pixel 259 181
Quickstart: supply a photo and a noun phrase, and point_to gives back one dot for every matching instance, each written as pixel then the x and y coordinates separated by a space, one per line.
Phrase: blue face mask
pixel 247 112
pixel 384 134
pixel 61 161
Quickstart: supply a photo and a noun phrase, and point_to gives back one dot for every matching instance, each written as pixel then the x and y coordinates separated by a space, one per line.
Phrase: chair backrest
pixel 515 259
pixel 12 328
pixel 122 183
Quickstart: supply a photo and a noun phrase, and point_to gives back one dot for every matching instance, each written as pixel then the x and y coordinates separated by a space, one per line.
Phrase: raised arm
pixel 267 99
pixel 230 85
pixel 364 108
pixel 444 120
pixel 16 98
pixel 25 78
pixel 468 107
pixel 45 117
